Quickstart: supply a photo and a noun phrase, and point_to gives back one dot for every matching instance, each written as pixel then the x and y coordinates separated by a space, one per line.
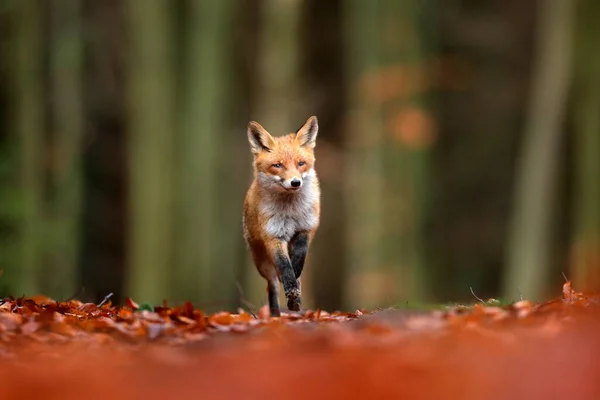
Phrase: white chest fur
pixel 288 214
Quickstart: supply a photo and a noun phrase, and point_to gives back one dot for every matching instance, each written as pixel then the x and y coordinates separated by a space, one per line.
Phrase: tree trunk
pixel 104 247
pixel 364 169
pixel 586 236
pixel 29 130
pixel 410 130
pixel 391 131
pixel 323 61
pixel 150 149
pixel 67 112
pixel 202 270
pixel 529 240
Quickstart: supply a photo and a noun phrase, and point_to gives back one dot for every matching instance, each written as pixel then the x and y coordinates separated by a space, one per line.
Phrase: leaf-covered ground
pixel 71 350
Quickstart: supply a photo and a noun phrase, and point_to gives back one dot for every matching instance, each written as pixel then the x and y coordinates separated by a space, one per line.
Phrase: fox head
pixel 284 163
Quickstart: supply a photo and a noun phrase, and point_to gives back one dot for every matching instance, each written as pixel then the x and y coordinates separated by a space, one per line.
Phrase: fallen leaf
pixel 221 318
pixel 186 320
pixel 131 304
pixel 264 313
pixel 30 327
pixel 244 317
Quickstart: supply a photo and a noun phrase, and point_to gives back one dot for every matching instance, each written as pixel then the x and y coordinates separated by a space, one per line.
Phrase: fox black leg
pixel 273 289
pixel 298 251
pixel 290 284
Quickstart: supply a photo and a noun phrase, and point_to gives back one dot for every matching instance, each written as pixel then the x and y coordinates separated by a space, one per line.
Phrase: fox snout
pixel 293 183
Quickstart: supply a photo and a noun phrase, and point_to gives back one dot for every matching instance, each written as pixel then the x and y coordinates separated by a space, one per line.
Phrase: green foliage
pixel 146 306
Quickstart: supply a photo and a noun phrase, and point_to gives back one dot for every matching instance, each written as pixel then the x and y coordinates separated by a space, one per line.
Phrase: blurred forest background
pixel 458 146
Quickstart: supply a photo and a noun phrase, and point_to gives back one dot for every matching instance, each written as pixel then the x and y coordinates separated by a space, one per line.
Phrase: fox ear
pixel 259 138
pixel 307 135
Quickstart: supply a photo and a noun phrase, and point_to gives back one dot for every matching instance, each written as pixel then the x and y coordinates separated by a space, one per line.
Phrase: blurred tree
pixel 390 131
pixel 151 125
pixel 529 240
pixel 235 172
pixel 232 148
pixel 482 73
pixel 189 159
pixel 67 123
pixel 27 97
pixel 10 208
pixel 105 214
pixel 586 235
pixel 324 94
pixel 405 89
pixel 364 169
pixel 201 263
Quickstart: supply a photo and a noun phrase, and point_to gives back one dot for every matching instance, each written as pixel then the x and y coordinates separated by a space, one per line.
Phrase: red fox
pixel 282 208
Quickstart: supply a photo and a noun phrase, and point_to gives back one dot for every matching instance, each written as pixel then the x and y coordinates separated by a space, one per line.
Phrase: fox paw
pixel 294 300
pixel 275 312
pixel 294 304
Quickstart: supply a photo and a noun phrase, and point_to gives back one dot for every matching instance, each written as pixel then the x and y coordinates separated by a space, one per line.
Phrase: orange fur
pixel 280 220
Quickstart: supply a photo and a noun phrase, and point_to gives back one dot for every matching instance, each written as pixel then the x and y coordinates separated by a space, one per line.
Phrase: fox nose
pixel 295 182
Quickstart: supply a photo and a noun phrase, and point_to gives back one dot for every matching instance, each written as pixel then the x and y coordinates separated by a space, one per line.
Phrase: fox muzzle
pixel 293 183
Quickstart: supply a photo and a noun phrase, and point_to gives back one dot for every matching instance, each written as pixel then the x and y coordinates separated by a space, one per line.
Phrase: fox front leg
pixel 298 249
pixel 282 262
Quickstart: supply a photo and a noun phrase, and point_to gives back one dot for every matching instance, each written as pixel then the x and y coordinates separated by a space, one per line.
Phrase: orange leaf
pixel 131 304
pixel 88 307
pixel 264 312
pixel 244 317
pixel 10 321
pixel 62 329
pixel 30 327
pixel 189 309
pixel 42 300
pixel 567 291
pixel 186 320
pixel 221 318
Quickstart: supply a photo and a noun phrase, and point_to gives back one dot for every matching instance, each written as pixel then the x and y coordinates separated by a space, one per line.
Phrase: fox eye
pixel 301 163
pixel 277 165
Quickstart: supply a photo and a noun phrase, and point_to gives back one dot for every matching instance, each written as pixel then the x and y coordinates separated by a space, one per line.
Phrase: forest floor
pixel 76 350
